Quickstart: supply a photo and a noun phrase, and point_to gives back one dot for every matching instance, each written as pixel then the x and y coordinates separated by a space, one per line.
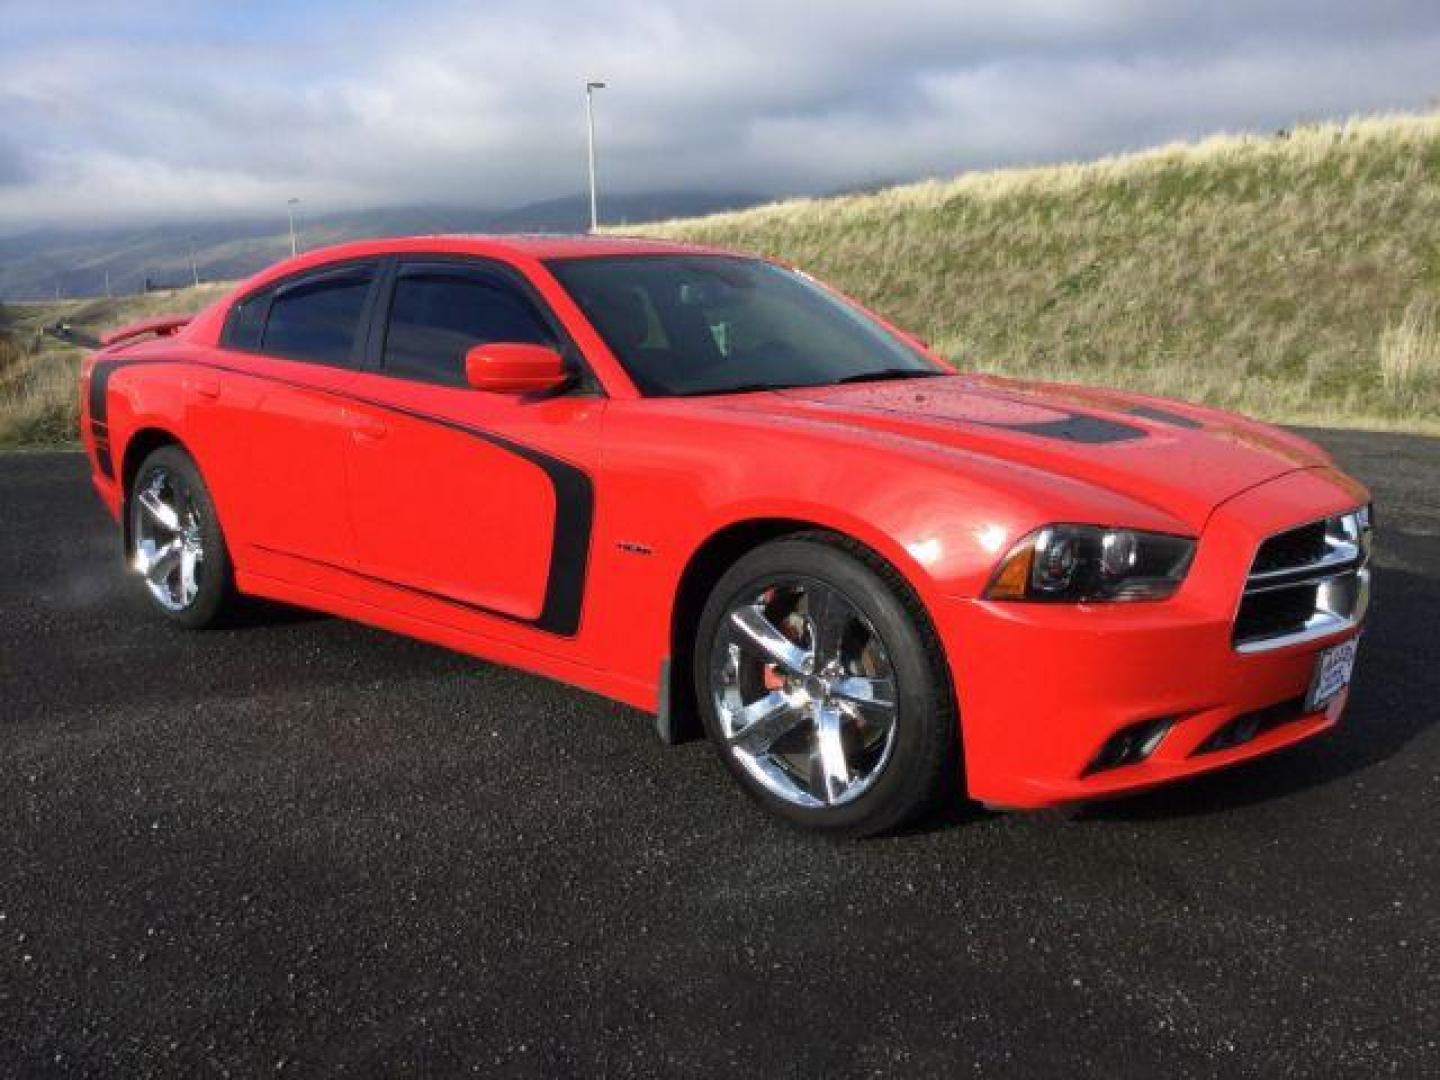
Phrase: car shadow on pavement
pixel 253 613
pixel 1397 681
pixel 1393 700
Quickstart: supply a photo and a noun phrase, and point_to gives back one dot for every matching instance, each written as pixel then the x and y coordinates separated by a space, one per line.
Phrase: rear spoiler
pixel 164 326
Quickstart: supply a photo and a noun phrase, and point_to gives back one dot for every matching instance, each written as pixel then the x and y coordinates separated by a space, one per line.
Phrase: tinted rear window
pixel 319 319
pixel 246 323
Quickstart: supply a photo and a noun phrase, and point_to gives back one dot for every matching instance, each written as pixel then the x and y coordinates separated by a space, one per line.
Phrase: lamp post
pixel 194 270
pixel 590 88
pixel 290 206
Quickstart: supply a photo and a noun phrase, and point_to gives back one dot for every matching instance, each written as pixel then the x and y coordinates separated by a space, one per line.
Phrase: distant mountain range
pixel 39 264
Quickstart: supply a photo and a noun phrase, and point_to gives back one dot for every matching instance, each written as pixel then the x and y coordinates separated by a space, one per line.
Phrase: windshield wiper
pixel 885 374
pixel 743 388
pixel 864 376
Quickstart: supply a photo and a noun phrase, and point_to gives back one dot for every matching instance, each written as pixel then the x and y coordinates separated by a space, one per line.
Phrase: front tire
pixel 176 544
pixel 823 687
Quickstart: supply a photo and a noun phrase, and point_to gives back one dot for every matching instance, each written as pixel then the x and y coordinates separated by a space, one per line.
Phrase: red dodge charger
pixel 709 486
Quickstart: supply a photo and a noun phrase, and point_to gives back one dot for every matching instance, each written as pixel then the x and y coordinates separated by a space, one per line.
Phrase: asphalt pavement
pixel 303 847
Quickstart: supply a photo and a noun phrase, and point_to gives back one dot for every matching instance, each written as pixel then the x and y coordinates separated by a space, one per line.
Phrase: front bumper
pixel 1043 688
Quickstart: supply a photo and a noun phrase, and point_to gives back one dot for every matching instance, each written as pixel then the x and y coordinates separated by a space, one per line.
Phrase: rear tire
pixel 824 689
pixel 176 543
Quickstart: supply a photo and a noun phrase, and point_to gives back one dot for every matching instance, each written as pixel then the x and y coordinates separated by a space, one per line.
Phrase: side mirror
pixel 507 367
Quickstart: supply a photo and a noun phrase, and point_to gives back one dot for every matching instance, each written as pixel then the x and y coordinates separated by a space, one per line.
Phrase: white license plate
pixel 1333 668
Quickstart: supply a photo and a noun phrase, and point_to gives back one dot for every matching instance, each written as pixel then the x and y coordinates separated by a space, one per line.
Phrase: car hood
pixel 1182 459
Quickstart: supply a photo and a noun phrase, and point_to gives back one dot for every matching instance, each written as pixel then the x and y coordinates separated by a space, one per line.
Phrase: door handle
pixel 365 428
pixel 207 386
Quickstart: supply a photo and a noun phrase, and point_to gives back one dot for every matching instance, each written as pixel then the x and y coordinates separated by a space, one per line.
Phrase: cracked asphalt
pixel 302 847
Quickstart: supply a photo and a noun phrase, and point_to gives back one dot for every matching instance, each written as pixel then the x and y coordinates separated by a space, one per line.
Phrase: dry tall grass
pixel 1256 273
pixel 39 402
pixel 1410 353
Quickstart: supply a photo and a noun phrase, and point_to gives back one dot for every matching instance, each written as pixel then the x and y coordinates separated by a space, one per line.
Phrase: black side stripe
pixel 573 488
pixel 100 413
pixel 570 536
pixel 100 404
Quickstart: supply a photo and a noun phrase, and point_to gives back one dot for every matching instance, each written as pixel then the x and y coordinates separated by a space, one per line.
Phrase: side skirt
pixel 627 691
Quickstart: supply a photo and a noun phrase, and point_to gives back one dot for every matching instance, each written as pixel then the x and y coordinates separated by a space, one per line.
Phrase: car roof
pixel 579 245
pixel 534 245
pixel 512 247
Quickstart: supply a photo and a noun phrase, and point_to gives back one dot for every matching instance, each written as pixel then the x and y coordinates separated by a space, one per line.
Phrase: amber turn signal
pixel 1012 581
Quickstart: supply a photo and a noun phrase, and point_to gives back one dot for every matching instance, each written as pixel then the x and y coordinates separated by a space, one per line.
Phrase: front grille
pixel 1306 582
pixel 1265 615
pixel 1294 547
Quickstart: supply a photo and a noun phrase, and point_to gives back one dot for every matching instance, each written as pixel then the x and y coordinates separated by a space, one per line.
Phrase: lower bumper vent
pixel 1248 726
pixel 1130 745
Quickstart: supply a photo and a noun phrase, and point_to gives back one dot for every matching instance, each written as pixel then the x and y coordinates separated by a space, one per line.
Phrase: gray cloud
pixel 14 168
pixel 196 111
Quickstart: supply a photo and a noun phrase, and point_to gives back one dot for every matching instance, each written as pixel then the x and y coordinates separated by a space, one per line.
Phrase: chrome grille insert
pixel 1306 582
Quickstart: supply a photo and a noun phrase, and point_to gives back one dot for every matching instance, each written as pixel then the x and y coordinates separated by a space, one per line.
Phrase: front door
pixel 469 505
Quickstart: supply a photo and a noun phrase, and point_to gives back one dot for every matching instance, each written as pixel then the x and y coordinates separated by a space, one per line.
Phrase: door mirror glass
pixel 510 367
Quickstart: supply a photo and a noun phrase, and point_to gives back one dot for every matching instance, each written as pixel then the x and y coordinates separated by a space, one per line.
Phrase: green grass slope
pixel 1294 277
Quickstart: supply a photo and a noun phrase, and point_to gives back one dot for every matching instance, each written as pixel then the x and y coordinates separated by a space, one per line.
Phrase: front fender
pixel 674 474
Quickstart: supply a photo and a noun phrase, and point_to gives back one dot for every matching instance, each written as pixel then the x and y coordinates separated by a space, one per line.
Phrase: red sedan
pixel 707 485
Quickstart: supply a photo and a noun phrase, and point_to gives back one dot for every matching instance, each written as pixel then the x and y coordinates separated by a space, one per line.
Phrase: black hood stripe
pixel 1076 428
pixel 1162 416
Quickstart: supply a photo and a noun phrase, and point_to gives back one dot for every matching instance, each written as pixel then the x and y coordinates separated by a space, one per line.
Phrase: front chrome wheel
pixel 804 693
pixel 169 539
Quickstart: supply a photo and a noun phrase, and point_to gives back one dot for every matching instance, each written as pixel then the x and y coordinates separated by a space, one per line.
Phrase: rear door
pixel 470 505
pixel 302 339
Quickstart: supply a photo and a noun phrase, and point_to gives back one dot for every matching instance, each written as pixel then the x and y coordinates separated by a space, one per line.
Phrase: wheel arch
pixel 680 719
pixel 141 444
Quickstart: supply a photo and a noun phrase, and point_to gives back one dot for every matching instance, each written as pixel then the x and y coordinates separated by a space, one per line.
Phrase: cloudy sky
pixel 121 111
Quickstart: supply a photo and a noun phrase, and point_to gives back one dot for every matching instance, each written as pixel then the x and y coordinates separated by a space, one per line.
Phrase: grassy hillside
pixel 1295 277
pixel 38 400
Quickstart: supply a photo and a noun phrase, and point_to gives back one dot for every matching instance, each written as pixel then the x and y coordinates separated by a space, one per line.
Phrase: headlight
pixel 1086 562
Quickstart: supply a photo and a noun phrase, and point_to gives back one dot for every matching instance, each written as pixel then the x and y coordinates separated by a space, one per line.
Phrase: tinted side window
pixel 318 319
pixel 246 323
pixel 437 315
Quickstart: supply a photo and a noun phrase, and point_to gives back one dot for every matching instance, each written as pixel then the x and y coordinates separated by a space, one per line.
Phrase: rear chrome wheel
pixel 169 543
pixel 823 687
pixel 804 692
pixel 176 545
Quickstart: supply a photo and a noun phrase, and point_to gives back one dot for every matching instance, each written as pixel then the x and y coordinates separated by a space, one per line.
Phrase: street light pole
pixel 590 88
pixel 290 213
pixel 194 270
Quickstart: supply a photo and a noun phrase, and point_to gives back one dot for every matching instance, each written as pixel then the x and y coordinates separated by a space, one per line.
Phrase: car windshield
pixel 713 324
